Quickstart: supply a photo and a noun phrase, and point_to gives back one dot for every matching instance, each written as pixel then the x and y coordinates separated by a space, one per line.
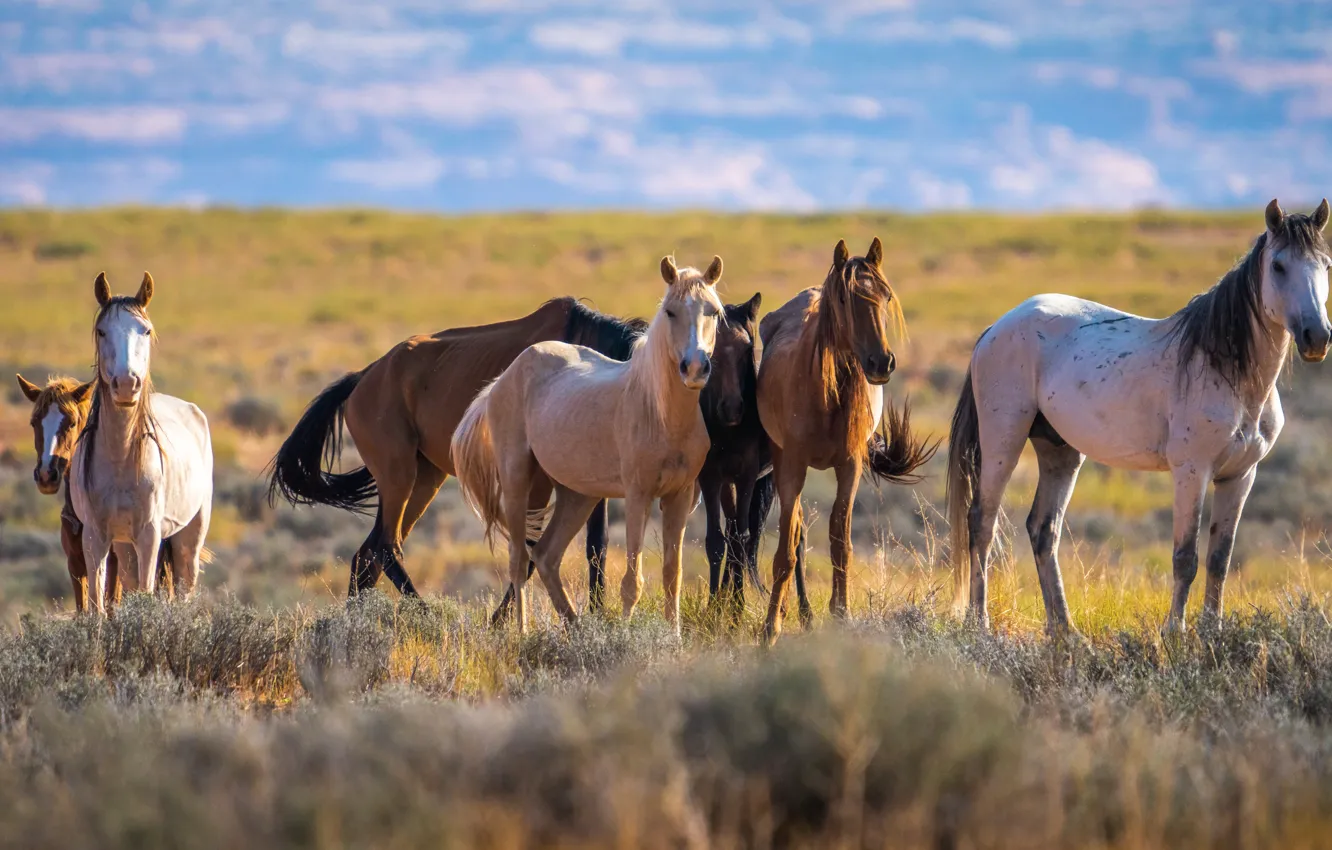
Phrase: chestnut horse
pixel 826 357
pixel 401 411
pixel 593 428
pixel 59 412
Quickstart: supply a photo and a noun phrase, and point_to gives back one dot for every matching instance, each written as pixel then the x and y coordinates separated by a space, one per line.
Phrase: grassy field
pixel 268 713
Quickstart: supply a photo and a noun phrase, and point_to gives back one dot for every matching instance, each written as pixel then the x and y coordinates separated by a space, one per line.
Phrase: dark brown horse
pixel 826 357
pixel 59 412
pixel 402 410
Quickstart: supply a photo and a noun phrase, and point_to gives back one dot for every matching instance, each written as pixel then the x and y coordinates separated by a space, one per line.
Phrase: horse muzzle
pixel 1312 343
pixel 695 371
pixel 48 479
pixel 125 391
pixel 878 368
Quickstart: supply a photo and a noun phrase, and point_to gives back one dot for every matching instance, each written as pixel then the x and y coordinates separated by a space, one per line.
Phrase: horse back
pixel 419 390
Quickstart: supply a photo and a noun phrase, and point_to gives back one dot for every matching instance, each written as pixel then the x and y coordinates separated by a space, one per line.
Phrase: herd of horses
pixel 545 417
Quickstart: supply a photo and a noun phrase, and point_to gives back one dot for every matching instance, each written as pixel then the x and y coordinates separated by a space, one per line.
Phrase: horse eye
pixel 1278 267
pixel 101 332
pixel 670 314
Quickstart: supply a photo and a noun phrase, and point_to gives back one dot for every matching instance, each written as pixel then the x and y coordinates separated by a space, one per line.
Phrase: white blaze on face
pixel 124 346
pixel 51 423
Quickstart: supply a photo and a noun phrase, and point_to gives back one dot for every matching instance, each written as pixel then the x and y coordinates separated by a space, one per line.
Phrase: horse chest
pixel 1250 443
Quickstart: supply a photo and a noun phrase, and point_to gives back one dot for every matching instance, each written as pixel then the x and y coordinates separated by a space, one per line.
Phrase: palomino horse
pixel 596 428
pixel 1194 393
pixel 401 411
pixel 826 358
pixel 143 467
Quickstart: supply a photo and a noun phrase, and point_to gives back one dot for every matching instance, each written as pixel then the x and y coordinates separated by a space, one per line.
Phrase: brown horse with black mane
pixel 826 357
pixel 401 411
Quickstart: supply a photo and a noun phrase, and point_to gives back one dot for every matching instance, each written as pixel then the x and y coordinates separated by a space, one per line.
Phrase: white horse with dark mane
pixel 143 467
pixel 1194 393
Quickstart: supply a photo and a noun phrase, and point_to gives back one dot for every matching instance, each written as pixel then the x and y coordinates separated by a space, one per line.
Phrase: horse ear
pixel 102 289
pixel 841 254
pixel 713 274
pixel 1320 215
pixel 668 271
pixel 145 290
pixel 31 390
pixel 752 306
pixel 874 256
pixel 1274 216
pixel 84 392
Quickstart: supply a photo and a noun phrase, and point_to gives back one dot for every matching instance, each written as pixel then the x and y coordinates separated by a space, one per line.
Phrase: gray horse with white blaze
pixel 1193 393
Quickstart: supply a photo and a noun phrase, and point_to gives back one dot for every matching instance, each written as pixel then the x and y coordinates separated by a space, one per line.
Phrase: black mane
pixel 609 335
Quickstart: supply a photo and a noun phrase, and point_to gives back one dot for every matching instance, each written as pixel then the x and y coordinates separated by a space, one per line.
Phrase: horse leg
pixel 78 568
pixel 365 567
pixel 113 580
pixel 790 473
pixel 96 548
pixel 1228 500
pixel 537 501
pixel 636 507
pixel 392 462
pixel 805 609
pixel 1190 489
pixel 187 549
pixel 674 512
pixel 760 504
pixel 146 544
pixel 839 534
pixel 714 541
pixel 571 511
pixel 737 542
pixel 999 457
pixel 1059 467
pixel 596 557
pixel 429 478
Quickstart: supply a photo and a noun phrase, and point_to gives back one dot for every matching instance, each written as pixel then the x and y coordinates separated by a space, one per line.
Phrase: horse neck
pixel 653 377
pixel 120 431
pixel 836 384
pixel 1272 349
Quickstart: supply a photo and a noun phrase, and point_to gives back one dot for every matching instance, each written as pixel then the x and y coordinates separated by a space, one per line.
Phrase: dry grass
pixel 267 713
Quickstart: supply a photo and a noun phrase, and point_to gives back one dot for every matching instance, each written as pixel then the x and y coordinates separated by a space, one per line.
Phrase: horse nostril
pixel 1307 338
pixel 892 362
pixel 684 367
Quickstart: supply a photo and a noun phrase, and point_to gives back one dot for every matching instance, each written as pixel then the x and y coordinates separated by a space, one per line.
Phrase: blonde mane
pixel 650 368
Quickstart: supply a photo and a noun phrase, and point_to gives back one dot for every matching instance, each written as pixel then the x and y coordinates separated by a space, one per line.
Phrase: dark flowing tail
pixel 298 467
pixel 895 453
pixel 964 462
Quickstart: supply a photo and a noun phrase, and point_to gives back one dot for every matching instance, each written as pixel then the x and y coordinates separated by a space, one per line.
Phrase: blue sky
pixel 524 104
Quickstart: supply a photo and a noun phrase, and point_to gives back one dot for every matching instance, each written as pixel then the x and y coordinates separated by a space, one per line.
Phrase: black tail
pixel 895 453
pixel 298 468
pixel 964 461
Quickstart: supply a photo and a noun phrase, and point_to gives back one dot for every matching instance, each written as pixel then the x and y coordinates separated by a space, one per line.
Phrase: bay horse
pixel 59 412
pixel 736 481
pixel 402 410
pixel 1194 393
pixel 826 357
pixel 142 469
pixel 566 417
